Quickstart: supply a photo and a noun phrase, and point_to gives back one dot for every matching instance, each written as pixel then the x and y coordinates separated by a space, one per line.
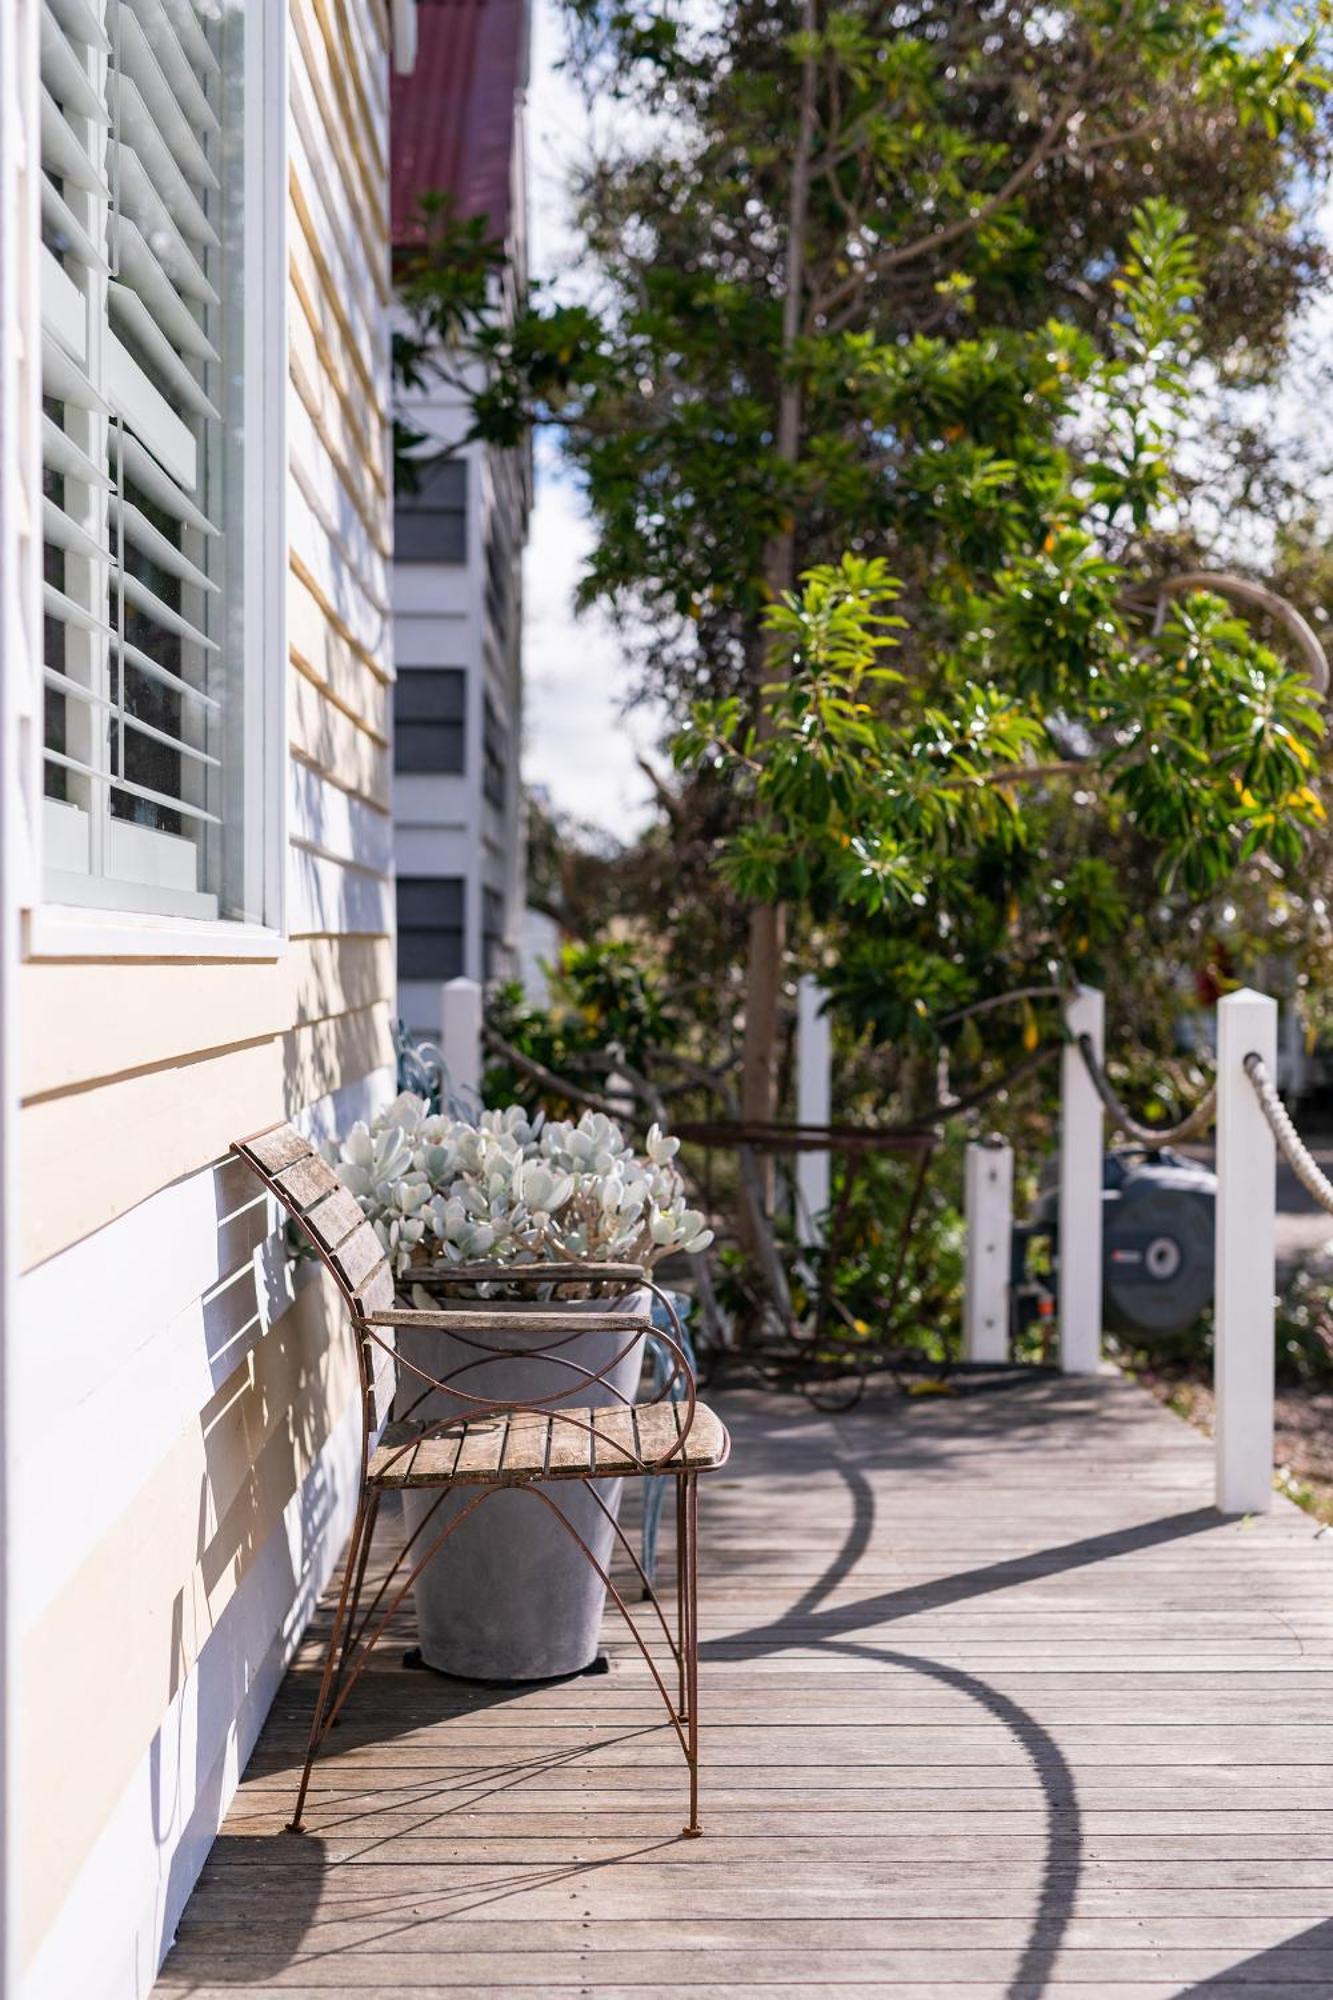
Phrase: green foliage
pixel 1304 1328
pixel 963 747
pixel 904 1294
pixel 1199 736
pixel 602 995
pixel 1303 1337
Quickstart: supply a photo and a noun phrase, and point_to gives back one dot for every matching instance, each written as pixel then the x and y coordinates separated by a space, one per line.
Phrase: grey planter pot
pixel 510 1597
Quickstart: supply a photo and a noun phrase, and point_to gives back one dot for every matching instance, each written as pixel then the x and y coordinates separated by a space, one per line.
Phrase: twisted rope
pixel 1123 1119
pixel 1290 1143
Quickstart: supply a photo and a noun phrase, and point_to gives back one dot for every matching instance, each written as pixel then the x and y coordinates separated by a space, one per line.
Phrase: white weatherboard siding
pixel 162 1342
pixel 20 642
pixel 153 1842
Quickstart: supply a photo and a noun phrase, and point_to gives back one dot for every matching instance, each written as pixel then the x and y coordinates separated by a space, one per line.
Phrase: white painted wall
pixel 158 1338
pixel 19 628
pixel 119 1918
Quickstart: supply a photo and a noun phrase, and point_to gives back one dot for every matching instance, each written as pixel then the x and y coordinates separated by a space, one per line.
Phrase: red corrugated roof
pixel 453 117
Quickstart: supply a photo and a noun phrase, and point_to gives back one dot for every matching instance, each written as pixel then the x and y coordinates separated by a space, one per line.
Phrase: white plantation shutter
pixel 133 453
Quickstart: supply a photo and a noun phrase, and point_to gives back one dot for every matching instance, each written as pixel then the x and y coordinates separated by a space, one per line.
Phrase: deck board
pixel 993 1708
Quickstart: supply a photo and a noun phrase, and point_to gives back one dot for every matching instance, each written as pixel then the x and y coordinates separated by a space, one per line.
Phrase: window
pixel 429 709
pixel 430 927
pixel 495 756
pixel 499 589
pixel 160 535
pixel 430 522
pixel 492 932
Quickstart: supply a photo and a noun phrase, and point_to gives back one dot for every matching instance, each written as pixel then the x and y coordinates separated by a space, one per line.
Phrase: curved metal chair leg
pixel 349 1624
pixel 690 1482
pixel 318 1729
pixel 336 1684
pixel 683 1705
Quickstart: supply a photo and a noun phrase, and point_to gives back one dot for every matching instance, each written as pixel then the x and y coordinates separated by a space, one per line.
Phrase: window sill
pixel 61 930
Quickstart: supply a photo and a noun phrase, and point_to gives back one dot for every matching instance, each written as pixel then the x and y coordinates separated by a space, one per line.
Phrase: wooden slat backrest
pixel 307 1184
pixel 331 1217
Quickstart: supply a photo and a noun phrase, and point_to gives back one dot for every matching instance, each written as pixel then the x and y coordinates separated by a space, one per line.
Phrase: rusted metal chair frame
pixel 332 1222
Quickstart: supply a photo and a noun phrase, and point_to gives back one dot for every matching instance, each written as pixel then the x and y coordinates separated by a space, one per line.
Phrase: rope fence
pixel 1253 1129
pixel 1123 1120
pixel 1289 1141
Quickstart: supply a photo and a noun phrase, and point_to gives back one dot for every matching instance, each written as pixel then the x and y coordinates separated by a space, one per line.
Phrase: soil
pixel 1303 1414
pixel 1303 1432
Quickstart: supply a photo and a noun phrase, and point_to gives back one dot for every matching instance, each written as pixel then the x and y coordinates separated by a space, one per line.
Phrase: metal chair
pixel 487 1444
pixel 671 1312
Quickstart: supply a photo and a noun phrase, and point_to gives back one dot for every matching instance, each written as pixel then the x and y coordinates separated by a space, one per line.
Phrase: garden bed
pixel 1303 1431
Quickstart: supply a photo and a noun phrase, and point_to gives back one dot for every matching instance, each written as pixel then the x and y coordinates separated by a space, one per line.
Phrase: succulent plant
pixel 511 1189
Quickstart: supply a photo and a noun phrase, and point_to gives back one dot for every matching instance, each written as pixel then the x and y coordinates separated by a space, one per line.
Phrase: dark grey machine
pixel 1158 1214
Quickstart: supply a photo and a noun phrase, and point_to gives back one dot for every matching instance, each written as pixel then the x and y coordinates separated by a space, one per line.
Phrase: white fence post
pixel 460 1036
pixel 988 1209
pixel 1081 1148
pixel 1245 1260
pixel 814 1100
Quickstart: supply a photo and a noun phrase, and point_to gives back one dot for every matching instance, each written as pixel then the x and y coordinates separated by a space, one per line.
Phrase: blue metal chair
pixel 661 1366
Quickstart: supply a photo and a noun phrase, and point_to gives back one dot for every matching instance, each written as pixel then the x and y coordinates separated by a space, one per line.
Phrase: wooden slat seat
pixel 563 1444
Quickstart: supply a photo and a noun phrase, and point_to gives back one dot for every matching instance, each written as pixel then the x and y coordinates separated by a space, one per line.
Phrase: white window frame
pixel 65 930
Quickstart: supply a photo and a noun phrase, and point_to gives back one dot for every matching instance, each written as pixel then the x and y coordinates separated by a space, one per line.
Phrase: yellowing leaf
pixel 1031 1032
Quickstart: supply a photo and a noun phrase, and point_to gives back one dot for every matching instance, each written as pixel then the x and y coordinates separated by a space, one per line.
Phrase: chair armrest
pixel 502 1319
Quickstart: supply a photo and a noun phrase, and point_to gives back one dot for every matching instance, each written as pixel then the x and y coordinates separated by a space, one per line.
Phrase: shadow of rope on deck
pixel 835 1625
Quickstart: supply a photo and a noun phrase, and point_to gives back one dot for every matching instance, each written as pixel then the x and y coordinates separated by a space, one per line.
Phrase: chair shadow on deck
pixel 289 1872
pixel 292 1871
pixel 833 1628
pixel 1302 1964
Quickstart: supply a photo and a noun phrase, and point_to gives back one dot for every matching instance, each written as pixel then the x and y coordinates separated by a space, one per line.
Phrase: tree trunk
pixel 764 967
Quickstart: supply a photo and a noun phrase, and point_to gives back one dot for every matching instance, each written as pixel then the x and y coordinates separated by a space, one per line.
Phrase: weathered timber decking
pixel 993 1705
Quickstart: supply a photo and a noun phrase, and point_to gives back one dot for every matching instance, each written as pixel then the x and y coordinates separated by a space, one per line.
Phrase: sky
pixel 580 747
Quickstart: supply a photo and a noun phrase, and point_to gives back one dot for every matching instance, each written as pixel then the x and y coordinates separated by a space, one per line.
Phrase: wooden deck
pixel 993 1705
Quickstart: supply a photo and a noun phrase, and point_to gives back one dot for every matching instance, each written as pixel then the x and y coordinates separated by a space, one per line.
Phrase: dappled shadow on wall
pixel 273 1506
pixel 238 1672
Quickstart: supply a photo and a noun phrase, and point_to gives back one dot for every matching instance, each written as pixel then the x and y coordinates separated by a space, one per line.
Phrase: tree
pixel 871 293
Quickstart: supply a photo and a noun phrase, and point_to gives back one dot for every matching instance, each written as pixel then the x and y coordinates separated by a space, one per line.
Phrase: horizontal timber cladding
pixel 333 743
pixel 335 822
pixel 341 437
pixel 326 737
pixel 158 1124
pixel 206 1385
pixel 325 651
pixel 327 537
pixel 150 1016
pixel 162 1577
pixel 144 1864
pixel 323 377
pixel 320 435
pixel 113 1304
pixel 353 169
